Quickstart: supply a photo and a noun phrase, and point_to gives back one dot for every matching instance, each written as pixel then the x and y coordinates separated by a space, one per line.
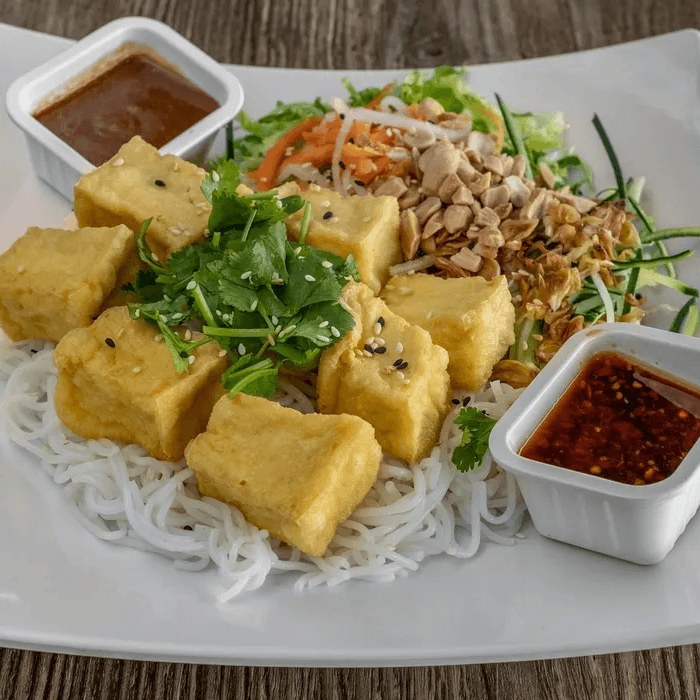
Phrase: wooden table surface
pixel 357 34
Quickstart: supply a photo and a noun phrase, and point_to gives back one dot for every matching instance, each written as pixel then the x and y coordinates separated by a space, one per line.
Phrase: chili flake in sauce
pixel 611 425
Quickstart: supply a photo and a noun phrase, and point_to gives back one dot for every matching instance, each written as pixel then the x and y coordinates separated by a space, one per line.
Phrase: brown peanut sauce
pixel 611 425
pixel 141 94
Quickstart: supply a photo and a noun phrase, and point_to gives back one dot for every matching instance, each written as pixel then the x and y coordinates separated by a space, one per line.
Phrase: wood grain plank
pixel 363 34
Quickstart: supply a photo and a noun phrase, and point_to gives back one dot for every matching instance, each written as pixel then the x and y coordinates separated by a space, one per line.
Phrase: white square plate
pixel 61 589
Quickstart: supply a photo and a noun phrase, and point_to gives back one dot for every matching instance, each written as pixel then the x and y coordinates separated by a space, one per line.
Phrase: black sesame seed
pixel 398 362
pixel 359 183
pixel 328 215
pixel 33 351
pixel 638 296
pixel 456 402
pixel 368 347
pixel 341 115
pixel 351 140
pixel 183 353
pixel 466 400
pixel 403 365
pixel 110 342
pixel 160 183
pixel 380 350
pixel 342 165
pixel 381 321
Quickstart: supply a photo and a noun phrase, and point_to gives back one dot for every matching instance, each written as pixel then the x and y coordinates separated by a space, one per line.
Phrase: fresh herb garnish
pixel 264 299
pixel 476 429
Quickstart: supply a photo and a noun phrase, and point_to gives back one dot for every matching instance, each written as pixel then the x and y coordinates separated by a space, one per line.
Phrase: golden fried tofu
pixel 470 317
pixel 388 372
pixel 138 184
pixel 53 280
pixel 297 476
pixel 367 227
pixel 117 381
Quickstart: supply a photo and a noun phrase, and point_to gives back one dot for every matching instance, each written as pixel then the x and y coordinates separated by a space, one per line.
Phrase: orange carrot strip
pixel 374 102
pixel 265 175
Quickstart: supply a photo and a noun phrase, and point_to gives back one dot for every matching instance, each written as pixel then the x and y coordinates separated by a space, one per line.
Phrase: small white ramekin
pixel 637 523
pixel 59 164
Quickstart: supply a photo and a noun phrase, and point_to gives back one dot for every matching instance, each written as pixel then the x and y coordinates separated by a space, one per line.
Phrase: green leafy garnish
pixel 476 429
pixel 359 98
pixel 448 86
pixel 265 300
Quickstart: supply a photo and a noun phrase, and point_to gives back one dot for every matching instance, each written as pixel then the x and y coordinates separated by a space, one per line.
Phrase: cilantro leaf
pixel 265 301
pixel 476 429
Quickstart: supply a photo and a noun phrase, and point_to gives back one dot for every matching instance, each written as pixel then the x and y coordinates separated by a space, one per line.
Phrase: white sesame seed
pixel 191 359
pixel 176 166
pixel 334 219
pixel 399 347
pixel 118 162
pixel 297 250
pixel 278 329
pixel 335 331
pixel 520 535
pixel 323 324
pixel 246 275
pixel 158 338
pixel 429 315
pixel 406 291
pixel 327 263
pixel 222 353
pixel 324 338
pixel 381 341
pixel 400 375
pixel 121 332
pixel 217 312
pixel 367 219
pixel 136 370
pixel 263 179
pixel 215 176
pixel 358 352
pixel 188 334
pixel 309 278
pixel 177 315
pixel 21 269
pixel 275 320
pixel 388 286
pixel 524 345
pixel 270 340
pixel 369 341
pixel 241 349
pixel 254 305
pixel 191 285
pixel 279 204
pixel 154 256
pixel 367 353
pixel 325 203
pixel 137 313
pixel 377 328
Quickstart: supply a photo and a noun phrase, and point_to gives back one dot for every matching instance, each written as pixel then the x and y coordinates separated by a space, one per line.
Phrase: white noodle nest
pixel 121 494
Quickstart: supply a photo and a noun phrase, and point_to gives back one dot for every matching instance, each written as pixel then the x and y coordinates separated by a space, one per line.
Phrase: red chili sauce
pixel 140 95
pixel 610 424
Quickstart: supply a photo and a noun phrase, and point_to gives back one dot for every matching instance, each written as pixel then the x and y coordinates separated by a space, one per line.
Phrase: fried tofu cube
pixel 388 372
pixel 297 476
pixel 116 381
pixel 53 280
pixel 470 317
pixel 367 227
pixel 139 184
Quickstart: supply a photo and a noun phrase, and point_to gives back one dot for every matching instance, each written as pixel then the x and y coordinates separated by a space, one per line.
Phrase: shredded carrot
pixel 265 175
pixel 374 102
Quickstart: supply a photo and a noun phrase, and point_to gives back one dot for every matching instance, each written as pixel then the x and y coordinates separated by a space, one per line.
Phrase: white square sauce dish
pixel 637 521
pixel 132 76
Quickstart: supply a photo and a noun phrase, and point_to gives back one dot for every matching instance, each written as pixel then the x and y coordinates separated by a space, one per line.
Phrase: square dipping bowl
pixel 58 163
pixel 636 523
